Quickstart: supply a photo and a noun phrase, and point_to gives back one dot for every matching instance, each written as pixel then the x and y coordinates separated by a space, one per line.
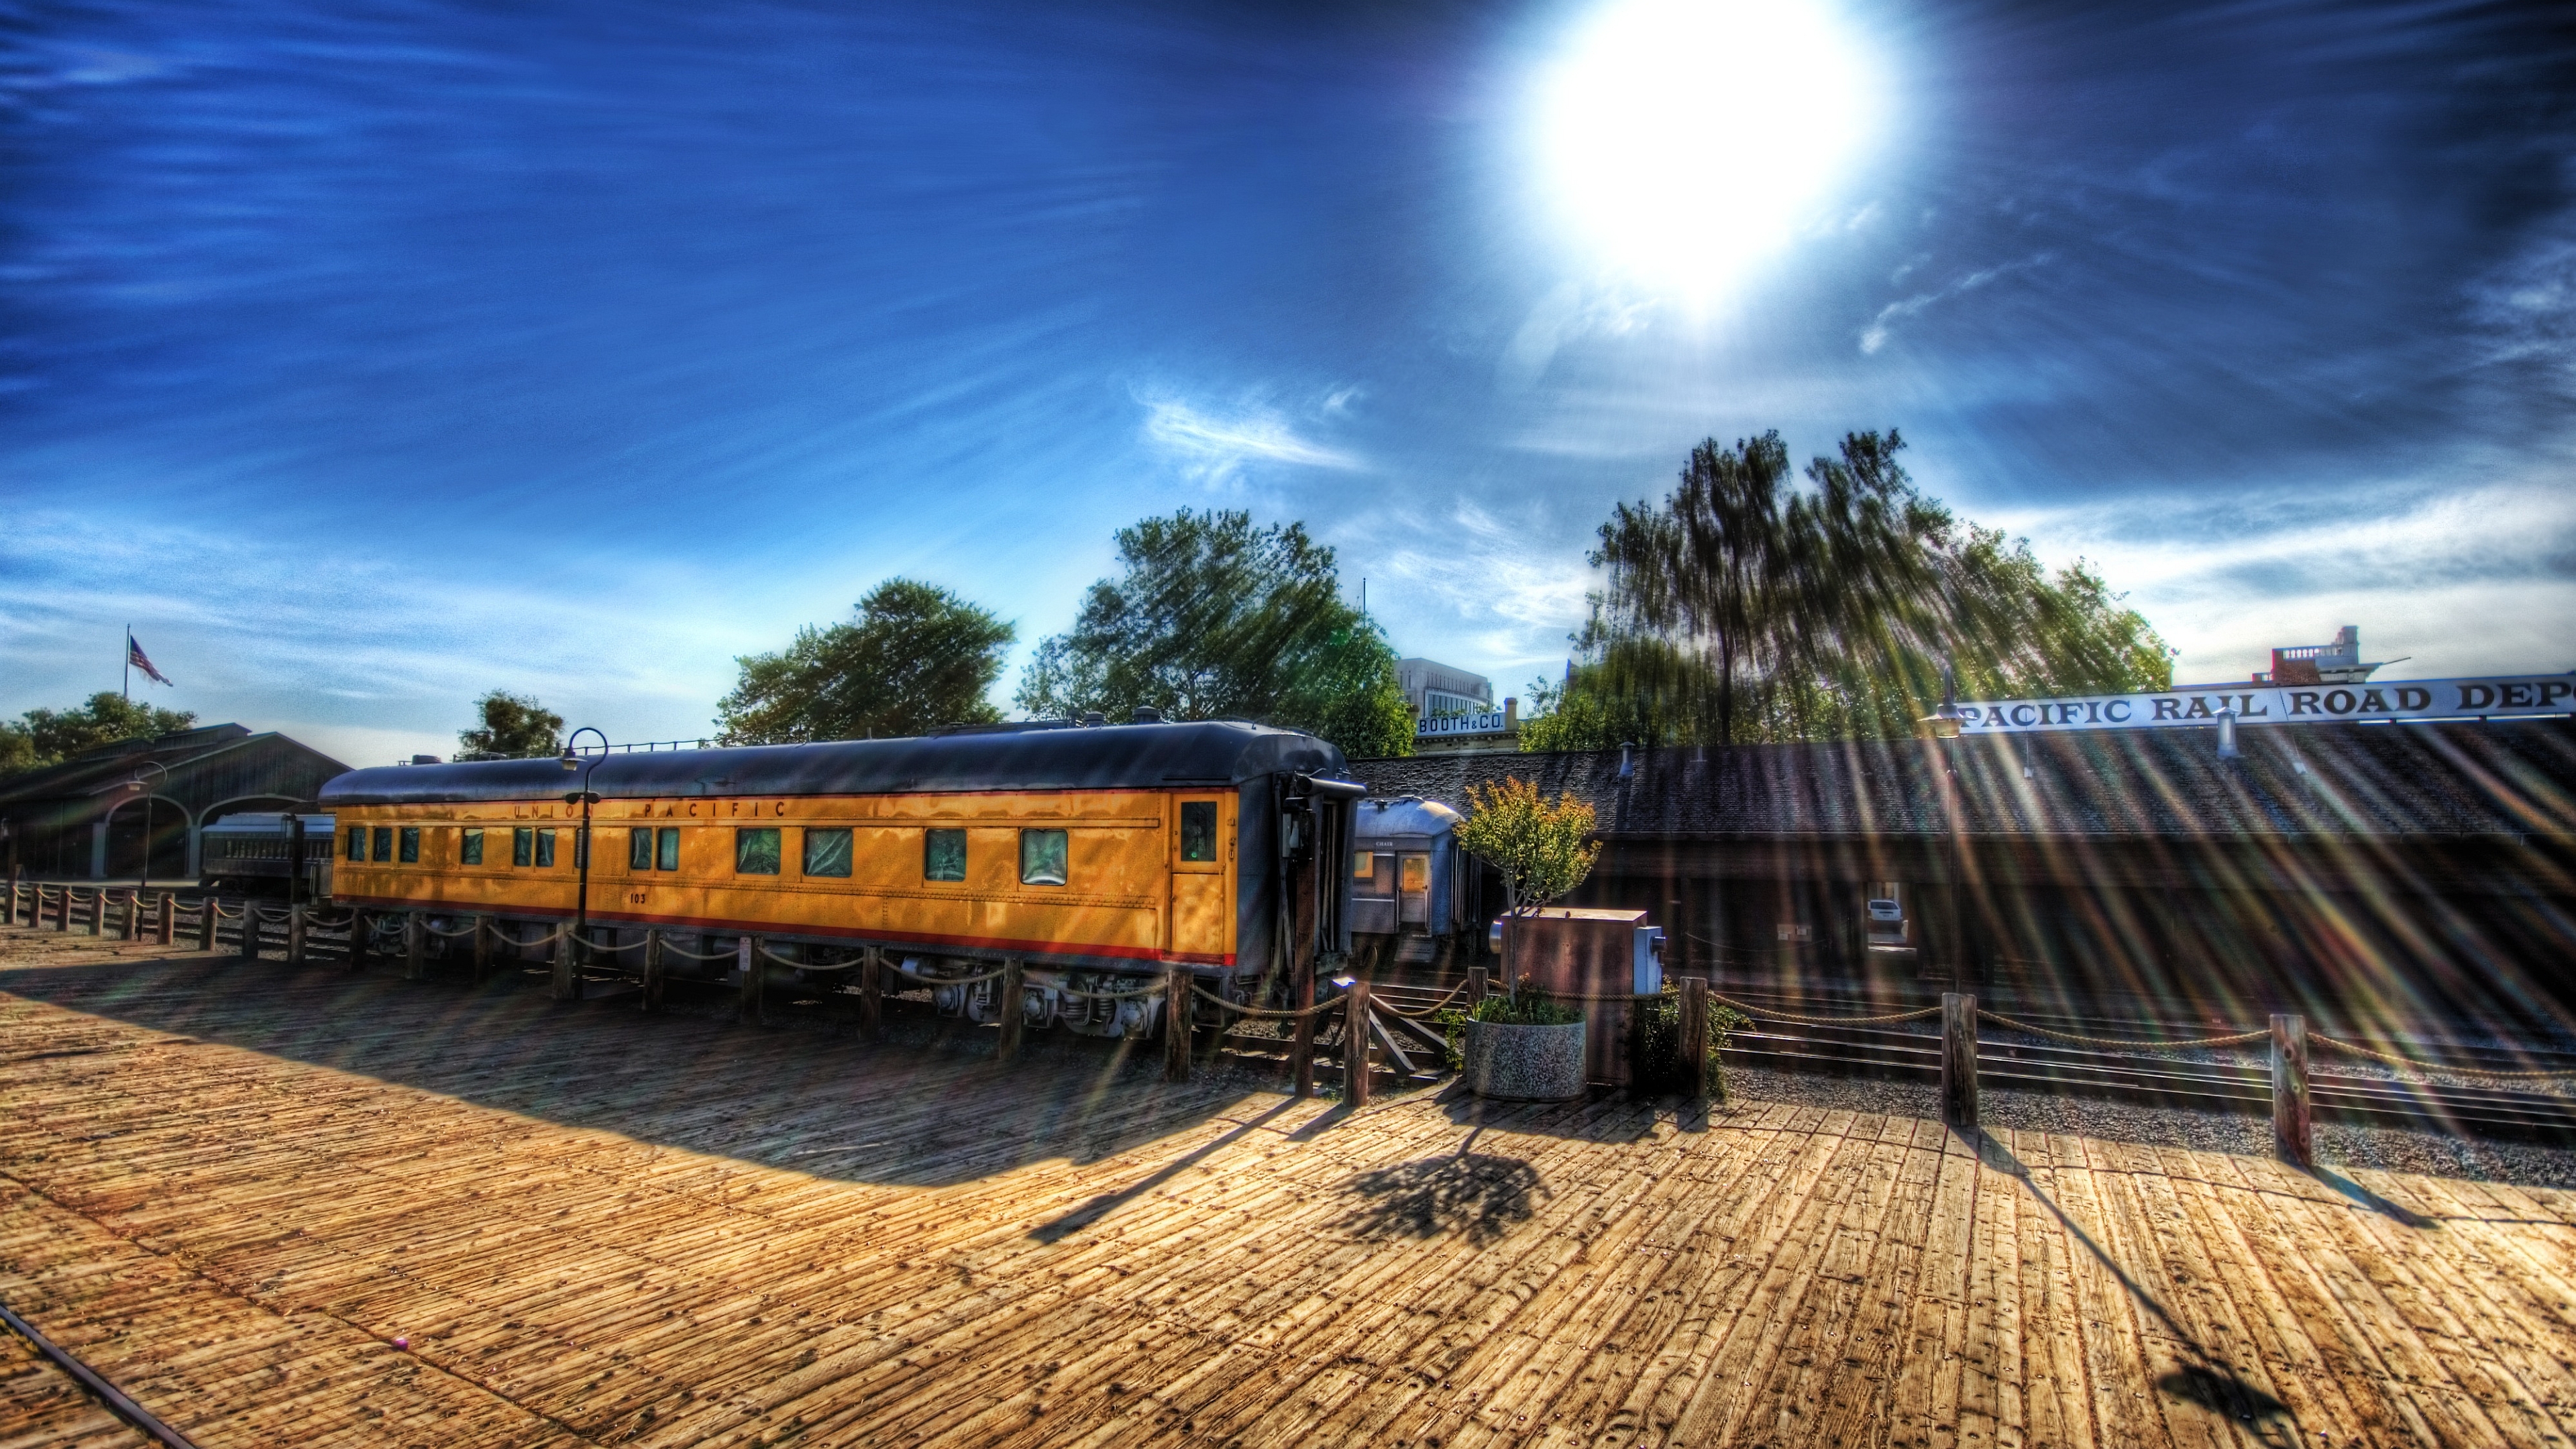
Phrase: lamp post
pixel 585 798
pixel 143 872
pixel 1943 725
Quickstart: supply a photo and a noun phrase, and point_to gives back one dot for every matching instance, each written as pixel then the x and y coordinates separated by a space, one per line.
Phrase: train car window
pixel 523 845
pixel 666 848
pixel 1364 865
pixel 384 843
pixel 827 852
pixel 639 848
pixel 469 851
pixel 545 847
pixel 411 845
pixel 357 842
pixel 1042 857
pixel 755 852
pixel 1416 872
pixel 943 855
pixel 1198 830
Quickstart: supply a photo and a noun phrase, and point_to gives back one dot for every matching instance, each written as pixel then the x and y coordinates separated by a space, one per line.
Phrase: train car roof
pixel 1064 757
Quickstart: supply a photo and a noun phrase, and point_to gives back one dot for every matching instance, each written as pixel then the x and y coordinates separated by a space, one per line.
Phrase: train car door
pixel 1201 839
pixel 1413 888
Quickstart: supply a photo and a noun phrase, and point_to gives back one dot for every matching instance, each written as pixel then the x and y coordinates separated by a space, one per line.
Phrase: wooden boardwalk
pixel 234 1188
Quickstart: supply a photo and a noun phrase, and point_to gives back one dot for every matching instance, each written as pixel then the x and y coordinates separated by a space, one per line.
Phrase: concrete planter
pixel 1525 1063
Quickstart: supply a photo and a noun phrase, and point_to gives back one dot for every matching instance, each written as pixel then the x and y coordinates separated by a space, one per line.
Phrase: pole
pixel 651 996
pixel 294 933
pixel 128 686
pixel 482 948
pixel 1959 1059
pixel 414 934
pixel 872 994
pixel 1176 1023
pixel 168 923
pixel 581 859
pixel 2292 1127
pixel 206 920
pixel 1301 1049
pixel 747 956
pixel 1008 1004
pixel 1695 1035
pixel 1355 1044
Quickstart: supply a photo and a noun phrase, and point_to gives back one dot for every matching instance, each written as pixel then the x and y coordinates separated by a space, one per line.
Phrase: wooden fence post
pixel 1355 1047
pixel 359 936
pixel 1176 1023
pixel 207 919
pixel 1695 1035
pixel 1478 983
pixel 12 918
pixel 1007 1002
pixel 167 927
pixel 133 915
pixel 747 1008
pixel 872 993
pixel 415 931
pixel 2291 1125
pixel 1959 1059
pixel 98 912
pixel 564 983
pixel 650 998
pixel 249 929
pixel 295 938
pixel 1301 1045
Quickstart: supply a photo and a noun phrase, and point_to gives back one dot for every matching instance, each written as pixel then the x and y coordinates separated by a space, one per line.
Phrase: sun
pixel 1681 142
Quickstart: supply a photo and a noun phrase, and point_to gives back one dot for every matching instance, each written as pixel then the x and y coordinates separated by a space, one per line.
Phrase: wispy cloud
pixel 1882 326
pixel 2465 580
pixel 1216 447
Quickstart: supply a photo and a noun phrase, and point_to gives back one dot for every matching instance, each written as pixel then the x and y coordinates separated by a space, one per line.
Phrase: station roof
pixel 2498 778
pixel 1055 757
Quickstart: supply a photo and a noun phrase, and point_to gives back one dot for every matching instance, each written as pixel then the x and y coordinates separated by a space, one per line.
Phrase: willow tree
pixel 1741 609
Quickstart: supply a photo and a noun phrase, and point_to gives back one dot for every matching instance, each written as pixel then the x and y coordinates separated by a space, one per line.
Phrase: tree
pixel 514 727
pixel 1211 617
pixel 1738 610
pixel 1540 850
pixel 916 658
pixel 42 737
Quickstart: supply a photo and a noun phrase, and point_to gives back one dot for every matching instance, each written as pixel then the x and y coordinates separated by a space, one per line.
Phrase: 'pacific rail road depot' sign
pixel 2500 695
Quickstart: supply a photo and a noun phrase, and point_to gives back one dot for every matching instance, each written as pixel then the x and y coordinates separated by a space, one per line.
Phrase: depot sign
pixel 2518 694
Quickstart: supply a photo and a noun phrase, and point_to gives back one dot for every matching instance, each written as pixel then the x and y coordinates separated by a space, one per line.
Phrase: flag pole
pixel 129 664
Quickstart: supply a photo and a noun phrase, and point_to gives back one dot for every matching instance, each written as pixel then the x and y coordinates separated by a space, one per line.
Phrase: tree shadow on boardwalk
pixel 926 1109
pixel 1481 1194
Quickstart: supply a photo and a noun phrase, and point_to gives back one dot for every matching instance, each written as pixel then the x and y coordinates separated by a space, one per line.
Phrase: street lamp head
pixel 571 760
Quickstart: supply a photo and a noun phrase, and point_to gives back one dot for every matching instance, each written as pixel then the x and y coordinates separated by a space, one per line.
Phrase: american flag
pixel 135 656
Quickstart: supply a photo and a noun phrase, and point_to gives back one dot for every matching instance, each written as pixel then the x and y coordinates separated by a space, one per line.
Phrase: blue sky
pixel 368 356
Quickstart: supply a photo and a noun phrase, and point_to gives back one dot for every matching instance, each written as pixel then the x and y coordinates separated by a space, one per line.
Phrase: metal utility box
pixel 1599 957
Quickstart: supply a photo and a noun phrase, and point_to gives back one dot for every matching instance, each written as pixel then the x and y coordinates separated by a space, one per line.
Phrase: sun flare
pixel 1682 141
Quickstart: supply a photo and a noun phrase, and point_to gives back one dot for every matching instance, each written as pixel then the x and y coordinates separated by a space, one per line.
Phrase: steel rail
pixel 108 1393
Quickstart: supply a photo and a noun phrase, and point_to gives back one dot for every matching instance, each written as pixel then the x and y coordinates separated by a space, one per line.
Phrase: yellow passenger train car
pixel 1096 854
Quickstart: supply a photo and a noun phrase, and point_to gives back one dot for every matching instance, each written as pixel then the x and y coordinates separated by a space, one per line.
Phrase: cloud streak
pixel 1883 326
pixel 1215 448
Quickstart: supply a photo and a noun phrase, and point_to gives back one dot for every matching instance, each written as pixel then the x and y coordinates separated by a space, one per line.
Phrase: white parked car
pixel 1886 923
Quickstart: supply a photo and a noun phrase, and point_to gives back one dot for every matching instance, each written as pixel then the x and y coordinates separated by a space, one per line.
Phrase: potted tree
pixel 1522 1046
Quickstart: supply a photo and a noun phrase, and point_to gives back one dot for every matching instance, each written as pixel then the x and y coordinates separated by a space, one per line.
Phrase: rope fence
pixel 1392 1009
pixel 2552 1074
pixel 2116 1044
pixel 1268 1013
pixel 1760 1013
pixel 686 954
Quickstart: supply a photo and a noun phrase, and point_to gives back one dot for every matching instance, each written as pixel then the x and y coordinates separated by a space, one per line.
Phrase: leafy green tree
pixel 1741 610
pixel 514 727
pixel 42 737
pixel 915 659
pixel 1540 850
pixel 1211 617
